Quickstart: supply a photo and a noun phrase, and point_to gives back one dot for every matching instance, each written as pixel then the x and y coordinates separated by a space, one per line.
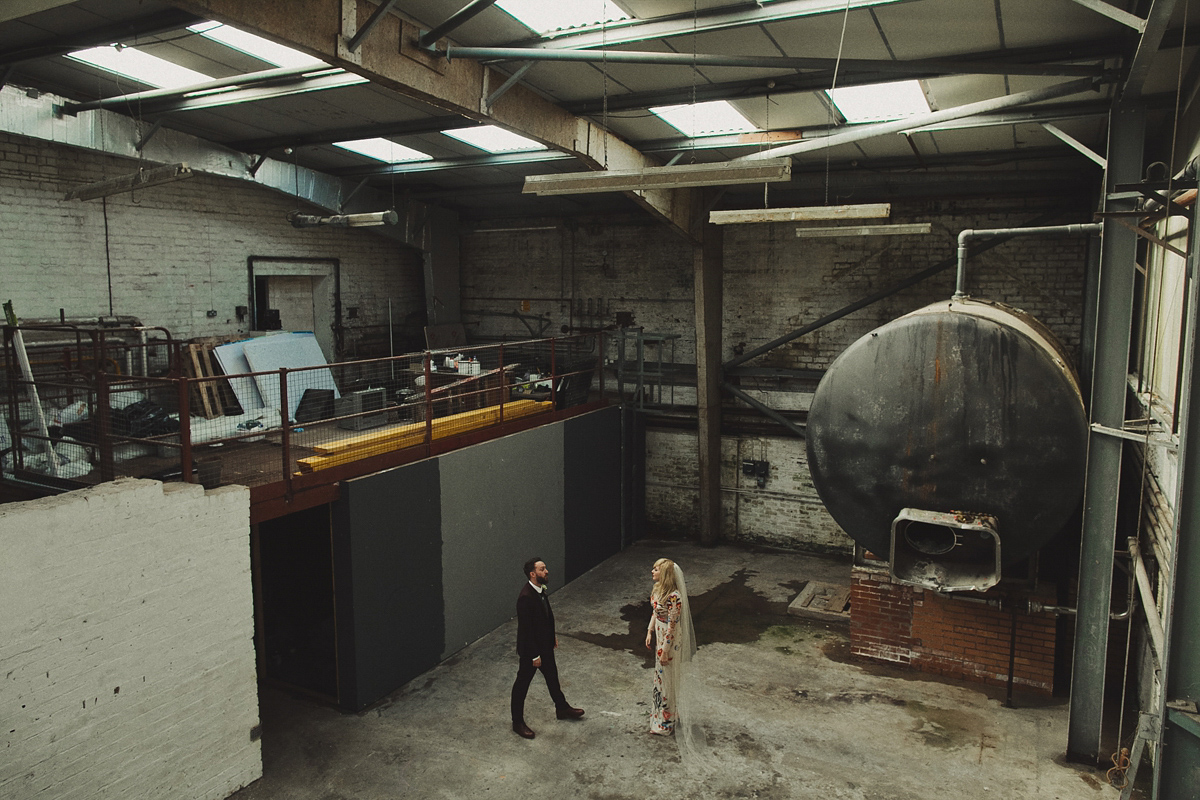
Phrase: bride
pixel 671 625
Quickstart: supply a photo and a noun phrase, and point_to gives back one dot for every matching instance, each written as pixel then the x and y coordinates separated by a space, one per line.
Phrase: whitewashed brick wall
pixel 774 283
pixel 126 644
pixel 786 513
pixel 174 251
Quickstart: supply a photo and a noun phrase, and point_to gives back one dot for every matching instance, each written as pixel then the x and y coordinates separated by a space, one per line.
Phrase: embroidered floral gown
pixel 663 622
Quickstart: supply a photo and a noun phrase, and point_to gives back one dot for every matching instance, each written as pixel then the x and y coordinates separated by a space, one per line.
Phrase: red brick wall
pixel 905 625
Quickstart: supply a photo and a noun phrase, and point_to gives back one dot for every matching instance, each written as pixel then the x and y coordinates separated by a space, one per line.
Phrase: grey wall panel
pixel 592 489
pixel 501 503
pixel 387 566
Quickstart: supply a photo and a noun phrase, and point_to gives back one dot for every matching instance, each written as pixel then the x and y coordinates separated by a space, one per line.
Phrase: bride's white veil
pixel 680 680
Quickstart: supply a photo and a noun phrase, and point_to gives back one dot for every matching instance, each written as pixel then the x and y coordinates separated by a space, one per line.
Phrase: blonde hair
pixel 666 578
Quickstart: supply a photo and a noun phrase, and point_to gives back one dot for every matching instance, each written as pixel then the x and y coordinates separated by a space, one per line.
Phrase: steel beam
pixel 1114 13
pixel 1179 745
pixel 315 27
pixel 280 75
pixel 371 22
pixel 440 164
pixel 228 95
pixel 464 14
pixel 1074 143
pixel 428 125
pixel 721 19
pixel 1147 49
pixel 1113 323
pixel 1093 52
pixel 934 117
pixel 128 31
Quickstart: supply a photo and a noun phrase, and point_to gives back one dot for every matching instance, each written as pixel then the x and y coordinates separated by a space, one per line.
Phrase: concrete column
pixel 708 266
pixel 1114 323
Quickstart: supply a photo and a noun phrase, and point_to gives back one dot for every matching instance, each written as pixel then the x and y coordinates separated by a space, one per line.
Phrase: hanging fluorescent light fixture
pixel 636 180
pixel 898 229
pixel 372 219
pixel 141 179
pixel 801 214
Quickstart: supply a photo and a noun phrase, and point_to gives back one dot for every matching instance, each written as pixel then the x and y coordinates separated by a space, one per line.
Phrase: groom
pixel 535 647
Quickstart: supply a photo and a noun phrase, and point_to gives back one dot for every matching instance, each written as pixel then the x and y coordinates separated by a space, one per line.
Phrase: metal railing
pixel 261 427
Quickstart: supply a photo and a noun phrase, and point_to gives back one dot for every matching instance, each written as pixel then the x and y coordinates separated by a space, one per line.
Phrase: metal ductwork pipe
pixel 1048 230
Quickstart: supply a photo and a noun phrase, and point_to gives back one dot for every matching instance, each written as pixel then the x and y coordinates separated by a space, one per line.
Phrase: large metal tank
pixel 951 441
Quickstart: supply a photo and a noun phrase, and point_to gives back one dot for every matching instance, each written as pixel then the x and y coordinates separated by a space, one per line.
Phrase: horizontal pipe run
pixel 966 235
pixel 761 62
pixel 863 303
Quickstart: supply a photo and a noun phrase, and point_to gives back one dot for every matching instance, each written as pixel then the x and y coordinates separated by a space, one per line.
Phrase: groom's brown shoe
pixel 523 730
pixel 569 713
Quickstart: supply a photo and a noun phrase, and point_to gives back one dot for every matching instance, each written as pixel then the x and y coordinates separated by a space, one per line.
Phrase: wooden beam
pixel 390 57
pixel 708 270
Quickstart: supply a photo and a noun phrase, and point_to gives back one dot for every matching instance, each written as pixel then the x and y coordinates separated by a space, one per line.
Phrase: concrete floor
pixel 788 713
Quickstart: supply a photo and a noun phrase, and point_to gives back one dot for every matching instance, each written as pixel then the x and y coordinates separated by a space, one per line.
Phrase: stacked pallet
pixel 210 392
pixel 354 448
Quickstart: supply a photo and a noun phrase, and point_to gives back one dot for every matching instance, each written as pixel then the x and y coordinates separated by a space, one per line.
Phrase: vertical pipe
pixel 1114 319
pixel 391 343
pixel 185 428
pixel 553 378
pixel 103 412
pixel 428 403
pixel 601 349
pixel 1012 657
pixel 145 359
pixel 503 383
pixel 286 424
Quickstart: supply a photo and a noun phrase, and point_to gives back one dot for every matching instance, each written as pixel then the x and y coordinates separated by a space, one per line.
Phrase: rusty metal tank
pixel 950 427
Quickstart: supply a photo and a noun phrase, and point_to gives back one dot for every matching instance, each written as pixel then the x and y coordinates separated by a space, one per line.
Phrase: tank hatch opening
pixel 945 552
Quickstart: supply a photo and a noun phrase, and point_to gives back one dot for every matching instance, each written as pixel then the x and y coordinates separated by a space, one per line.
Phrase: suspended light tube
pixel 372 219
pixel 636 180
pixel 141 179
pixel 801 214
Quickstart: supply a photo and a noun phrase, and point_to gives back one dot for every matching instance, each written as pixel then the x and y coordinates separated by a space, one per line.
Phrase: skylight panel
pixel 256 46
pixel 705 119
pixel 545 16
pixel 384 150
pixel 142 67
pixel 493 139
pixel 881 101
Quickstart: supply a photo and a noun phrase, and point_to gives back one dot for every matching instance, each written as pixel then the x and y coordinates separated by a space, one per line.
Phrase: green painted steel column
pixel 1114 323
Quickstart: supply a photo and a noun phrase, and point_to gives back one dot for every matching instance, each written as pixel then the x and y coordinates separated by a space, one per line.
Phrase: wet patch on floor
pixel 947 729
pixel 788 638
pixel 730 613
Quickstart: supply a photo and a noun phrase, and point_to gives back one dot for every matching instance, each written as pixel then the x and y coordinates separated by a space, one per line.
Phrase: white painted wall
pixel 126 648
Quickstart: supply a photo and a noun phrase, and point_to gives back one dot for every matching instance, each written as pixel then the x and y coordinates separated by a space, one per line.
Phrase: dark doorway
pixel 295 565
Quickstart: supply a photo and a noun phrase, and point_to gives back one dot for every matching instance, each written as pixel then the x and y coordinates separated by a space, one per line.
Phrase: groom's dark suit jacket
pixel 535 625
